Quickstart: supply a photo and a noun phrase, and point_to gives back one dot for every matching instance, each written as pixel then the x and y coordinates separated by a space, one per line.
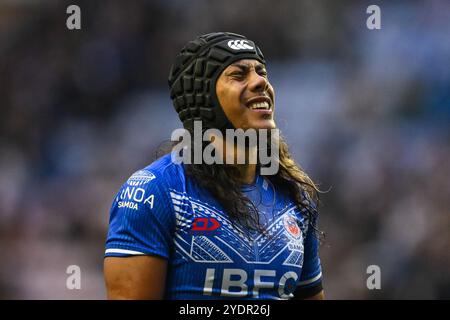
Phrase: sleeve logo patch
pixel 140 178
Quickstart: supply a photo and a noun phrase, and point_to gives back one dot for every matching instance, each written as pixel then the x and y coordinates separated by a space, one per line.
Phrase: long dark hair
pixel 223 183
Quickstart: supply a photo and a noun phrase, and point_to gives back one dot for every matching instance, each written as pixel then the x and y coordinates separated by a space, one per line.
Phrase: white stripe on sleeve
pixel 304 283
pixel 123 251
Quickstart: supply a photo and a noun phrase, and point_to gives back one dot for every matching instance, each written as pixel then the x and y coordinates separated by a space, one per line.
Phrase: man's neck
pixel 247 171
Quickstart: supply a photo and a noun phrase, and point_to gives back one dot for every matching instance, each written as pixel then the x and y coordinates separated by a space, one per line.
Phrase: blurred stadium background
pixel 366 113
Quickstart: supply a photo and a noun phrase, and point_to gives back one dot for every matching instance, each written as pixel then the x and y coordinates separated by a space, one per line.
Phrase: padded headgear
pixel 193 76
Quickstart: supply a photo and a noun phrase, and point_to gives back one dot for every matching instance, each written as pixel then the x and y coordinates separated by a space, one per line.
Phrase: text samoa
pixel 136 195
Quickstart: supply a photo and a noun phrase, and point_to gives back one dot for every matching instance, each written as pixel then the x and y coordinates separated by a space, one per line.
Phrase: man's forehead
pixel 247 63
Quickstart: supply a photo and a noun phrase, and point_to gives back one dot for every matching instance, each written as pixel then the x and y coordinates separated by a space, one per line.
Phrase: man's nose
pixel 257 82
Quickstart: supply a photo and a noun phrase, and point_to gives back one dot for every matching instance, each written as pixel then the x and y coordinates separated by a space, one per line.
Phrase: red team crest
pixel 291 226
pixel 205 224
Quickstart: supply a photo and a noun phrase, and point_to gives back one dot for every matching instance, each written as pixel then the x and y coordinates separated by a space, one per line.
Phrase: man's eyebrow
pixel 245 67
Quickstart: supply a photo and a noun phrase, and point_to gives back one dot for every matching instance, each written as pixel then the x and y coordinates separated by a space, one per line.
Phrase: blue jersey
pixel 159 211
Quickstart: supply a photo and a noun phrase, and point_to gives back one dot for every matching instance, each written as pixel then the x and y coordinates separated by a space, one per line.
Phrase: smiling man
pixel 246 96
pixel 219 231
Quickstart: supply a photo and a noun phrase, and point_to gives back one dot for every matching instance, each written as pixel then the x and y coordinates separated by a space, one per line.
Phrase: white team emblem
pixel 141 177
pixel 239 45
pixel 291 226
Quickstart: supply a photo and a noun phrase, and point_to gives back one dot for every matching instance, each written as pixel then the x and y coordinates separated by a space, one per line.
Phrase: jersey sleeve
pixel 310 282
pixel 141 218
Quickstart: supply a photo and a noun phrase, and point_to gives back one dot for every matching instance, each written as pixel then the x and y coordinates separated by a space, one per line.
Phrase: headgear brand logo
pixel 239 45
pixel 291 226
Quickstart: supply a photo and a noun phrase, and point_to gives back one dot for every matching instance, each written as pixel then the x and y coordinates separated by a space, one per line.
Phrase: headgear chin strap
pixel 193 76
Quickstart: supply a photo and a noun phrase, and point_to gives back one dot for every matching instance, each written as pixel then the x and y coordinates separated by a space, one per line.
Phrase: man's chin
pixel 265 125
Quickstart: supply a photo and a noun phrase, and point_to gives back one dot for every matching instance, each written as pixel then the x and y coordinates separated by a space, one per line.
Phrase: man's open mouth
pixel 259 103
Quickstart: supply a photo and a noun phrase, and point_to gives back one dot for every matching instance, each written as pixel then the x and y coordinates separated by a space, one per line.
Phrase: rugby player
pixel 216 231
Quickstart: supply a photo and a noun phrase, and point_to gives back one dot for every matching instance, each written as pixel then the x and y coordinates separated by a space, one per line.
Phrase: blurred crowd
pixel 366 113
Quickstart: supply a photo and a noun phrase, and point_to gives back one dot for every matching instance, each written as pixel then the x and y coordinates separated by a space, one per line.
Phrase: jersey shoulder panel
pixel 165 172
pixel 142 218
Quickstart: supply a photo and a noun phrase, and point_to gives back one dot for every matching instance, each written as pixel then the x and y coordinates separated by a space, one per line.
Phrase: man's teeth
pixel 260 105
